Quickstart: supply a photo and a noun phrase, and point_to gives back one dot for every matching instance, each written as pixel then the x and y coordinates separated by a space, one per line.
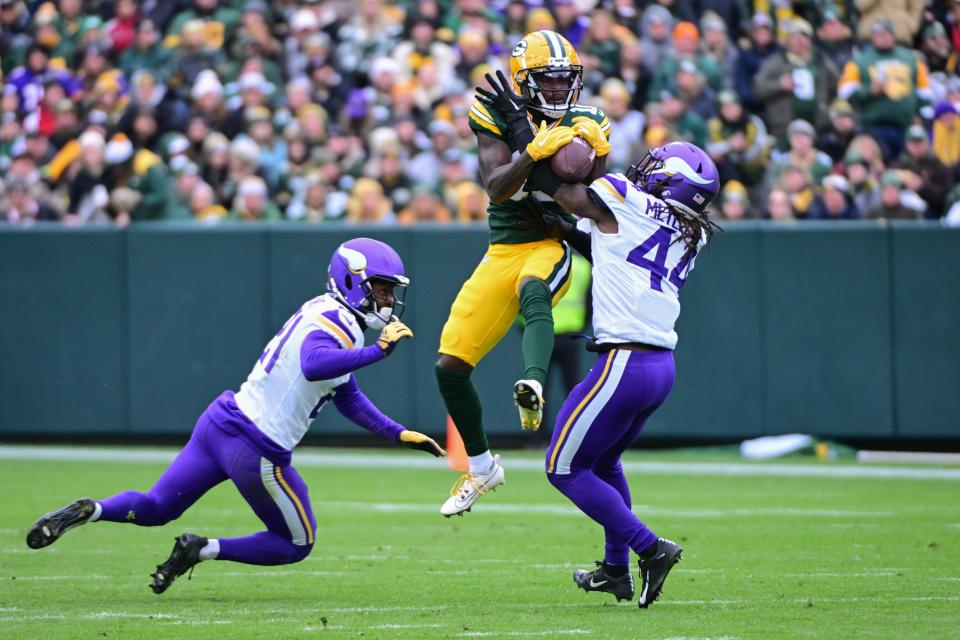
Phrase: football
pixel 574 161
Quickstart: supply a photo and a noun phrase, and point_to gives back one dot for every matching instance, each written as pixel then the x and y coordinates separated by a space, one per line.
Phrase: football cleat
pixel 51 526
pixel 185 555
pixel 654 569
pixel 600 580
pixel 470 486
pixel 528 398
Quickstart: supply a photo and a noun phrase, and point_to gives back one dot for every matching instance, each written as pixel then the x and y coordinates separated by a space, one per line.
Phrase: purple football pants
pixel 600 419
pixel 278 495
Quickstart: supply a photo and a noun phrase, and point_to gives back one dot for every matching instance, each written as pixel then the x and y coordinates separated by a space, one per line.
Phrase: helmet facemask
pixel 378 311
pixel 654 175
pixel 552 90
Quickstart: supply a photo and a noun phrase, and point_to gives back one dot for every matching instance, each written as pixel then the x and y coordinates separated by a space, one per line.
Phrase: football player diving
pixel 248 437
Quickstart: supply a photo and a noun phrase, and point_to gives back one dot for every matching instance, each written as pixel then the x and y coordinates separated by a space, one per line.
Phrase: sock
pixel 97 510
pixel 615 570
pixel 538 332
pixel 211 550
pixel 463 405
pixel 481 463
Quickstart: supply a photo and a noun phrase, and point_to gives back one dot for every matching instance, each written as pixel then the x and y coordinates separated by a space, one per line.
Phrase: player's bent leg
pixel 192 473
pixel 535 305
pixel 280 498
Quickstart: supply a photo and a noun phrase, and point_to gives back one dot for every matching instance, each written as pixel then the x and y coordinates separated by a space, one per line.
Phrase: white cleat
pixel 470 486
pixel 528 398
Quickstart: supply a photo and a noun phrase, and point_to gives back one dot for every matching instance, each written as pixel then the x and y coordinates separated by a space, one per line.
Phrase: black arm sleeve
pixel 542 178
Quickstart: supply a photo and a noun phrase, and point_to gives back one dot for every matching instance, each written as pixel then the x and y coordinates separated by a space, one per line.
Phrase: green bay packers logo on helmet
pixel 545 68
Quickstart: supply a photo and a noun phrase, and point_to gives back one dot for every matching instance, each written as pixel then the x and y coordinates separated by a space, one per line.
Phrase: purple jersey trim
pixel 617 183
pixel 322 358
pixel 356 407
pixel 283 341
pixel 230 419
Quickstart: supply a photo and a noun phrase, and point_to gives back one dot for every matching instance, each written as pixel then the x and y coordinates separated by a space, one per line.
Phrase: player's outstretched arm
pixel 576 199
pixel 355 406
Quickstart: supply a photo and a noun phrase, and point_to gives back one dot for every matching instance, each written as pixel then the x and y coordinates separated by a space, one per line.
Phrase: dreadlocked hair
pixel 694 229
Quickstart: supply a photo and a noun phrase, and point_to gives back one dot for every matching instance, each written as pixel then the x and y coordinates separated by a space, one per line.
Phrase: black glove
pixel 511 107
pixel 566 230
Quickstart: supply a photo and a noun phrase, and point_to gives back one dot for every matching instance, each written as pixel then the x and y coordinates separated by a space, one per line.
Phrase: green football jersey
pixel 504 218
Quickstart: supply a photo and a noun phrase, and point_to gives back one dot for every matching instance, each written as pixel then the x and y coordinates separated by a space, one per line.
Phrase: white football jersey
pixel 638 271
pixel 276 396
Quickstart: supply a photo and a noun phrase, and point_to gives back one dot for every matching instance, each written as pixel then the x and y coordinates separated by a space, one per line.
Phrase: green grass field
pixel 766 556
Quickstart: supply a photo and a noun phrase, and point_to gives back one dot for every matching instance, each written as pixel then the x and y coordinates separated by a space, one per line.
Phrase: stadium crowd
pixel 308 110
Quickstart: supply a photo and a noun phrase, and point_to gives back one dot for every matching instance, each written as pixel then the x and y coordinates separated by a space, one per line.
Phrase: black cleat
pixel 185 554
pixel 600 580
pixel 51 526
pixel 654 570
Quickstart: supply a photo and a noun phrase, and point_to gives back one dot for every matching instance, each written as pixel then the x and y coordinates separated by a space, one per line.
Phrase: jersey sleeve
pixel 610 190
pixel 337 325
pixel 487 122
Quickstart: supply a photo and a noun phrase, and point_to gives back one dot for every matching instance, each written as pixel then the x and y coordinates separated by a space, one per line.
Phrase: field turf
pixel 766 556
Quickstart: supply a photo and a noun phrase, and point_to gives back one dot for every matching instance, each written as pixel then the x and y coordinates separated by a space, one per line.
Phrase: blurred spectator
pixel 655 43
pixel 179 103
pixel 735 202
pixel 367 203
pixel 251 202
pixel 470 202
pixel 835 37
pixel 946 135
pixel 626 125
pixel 802 154
pixel 797 184
pixel 887 84
pixel 798 83
pixel 762 46
pixel 738 142
pixel 685 52
pixel 902 15
pixel 834 201
pixel 717 46
pixel 923 173
pixel 423 207
pixel 779 208
pixel 890 206
pixel 19 205
pixel 843 128
pixel 863 186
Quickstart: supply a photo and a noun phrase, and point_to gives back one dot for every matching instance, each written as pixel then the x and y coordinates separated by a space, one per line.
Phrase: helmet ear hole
pixel 348 281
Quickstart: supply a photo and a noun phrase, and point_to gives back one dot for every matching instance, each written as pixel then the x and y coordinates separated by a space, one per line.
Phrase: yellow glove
pixel 548 141
pixel 392 334
pixel 589 130
pixel 415 440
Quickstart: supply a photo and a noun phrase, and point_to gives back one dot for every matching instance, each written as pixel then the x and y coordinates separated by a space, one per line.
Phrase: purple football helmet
pixel 679 173
pixel 355 265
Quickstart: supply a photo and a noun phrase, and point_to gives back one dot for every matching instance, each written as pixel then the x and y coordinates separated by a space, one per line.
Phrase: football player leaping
pixel 248 437
pixel 518 123
pixel 644 231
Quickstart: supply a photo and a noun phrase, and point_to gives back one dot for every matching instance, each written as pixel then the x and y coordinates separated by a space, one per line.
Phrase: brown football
pixel 574 161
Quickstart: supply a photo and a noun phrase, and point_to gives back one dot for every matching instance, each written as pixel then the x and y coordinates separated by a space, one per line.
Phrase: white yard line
pixel 308 458
pixel 566 510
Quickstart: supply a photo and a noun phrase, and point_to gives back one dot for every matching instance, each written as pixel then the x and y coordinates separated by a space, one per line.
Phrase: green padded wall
pixel 836 329
pixel 827 334
pixel 926 314
pixel 197 318
pixel 62 332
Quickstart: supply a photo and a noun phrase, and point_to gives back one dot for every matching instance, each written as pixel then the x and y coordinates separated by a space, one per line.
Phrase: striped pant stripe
pixel 589 414
pixel 579 408
pixel 294 515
